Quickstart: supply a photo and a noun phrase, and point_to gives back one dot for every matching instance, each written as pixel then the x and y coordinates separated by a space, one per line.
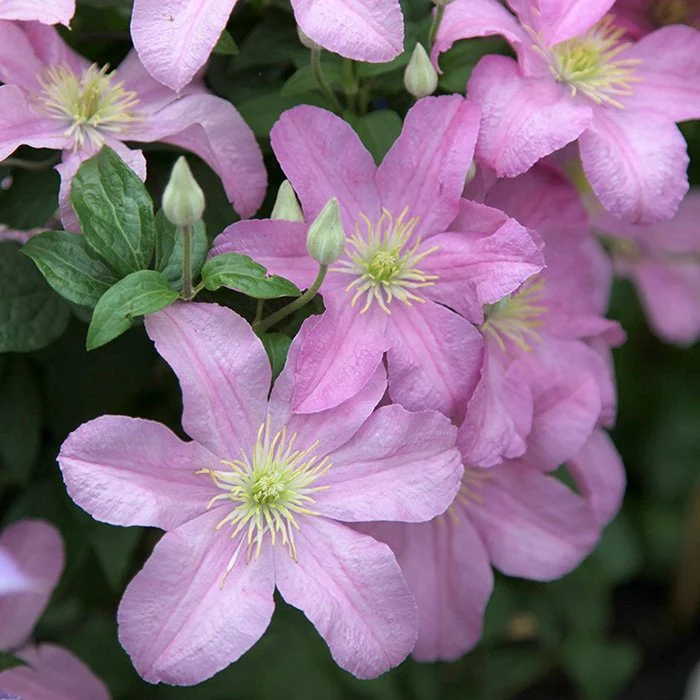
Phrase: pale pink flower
pixel 54 98
pixel 640 17
pixel 419 265
pixel 258 501
pixel 175 37
pixel 577 79
pixel 44 11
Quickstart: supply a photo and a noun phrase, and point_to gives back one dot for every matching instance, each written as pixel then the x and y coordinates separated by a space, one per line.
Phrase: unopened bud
pixel 286 205
pixel 326 239
pixel 420 78
pixel 306 41
pixel 183 199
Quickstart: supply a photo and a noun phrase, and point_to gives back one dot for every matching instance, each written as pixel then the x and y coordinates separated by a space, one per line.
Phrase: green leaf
pixel 303 80
pixel 277 347
pixel 115 212
pixel 114 548
pixel 39 188
pixel 225 46
pixel 241 273
pixel 70 266
pixel 378 131
pixel 8 661
pixel 31 314
pixel 169 250
pixel 260 113
pixel 139 294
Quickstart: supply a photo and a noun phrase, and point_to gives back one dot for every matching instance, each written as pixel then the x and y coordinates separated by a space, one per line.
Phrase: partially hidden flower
pixel 51 12
pixel 54 98
pixel 419 263
pixel 174 38
pixel 578 78
pixel 259 500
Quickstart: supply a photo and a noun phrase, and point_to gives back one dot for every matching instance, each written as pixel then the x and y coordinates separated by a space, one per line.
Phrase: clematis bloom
pixel 174 38
pixel 419 264
pixel 578 79
pixel 53 12
pixel 258 501
pixel 54 98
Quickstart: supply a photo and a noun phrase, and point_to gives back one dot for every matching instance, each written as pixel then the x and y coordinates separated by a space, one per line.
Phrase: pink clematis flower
pixel 663 261
pixel 174 38
pixel 641 17
pixel 54 98
pixel 419 265
pixel 53 12
pixel 31 562
pixel 577 79
pixel 258 501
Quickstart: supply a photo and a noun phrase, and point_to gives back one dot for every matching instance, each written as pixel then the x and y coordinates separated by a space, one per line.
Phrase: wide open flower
pixel 410 281
pixel 52 12
pixel 255 502
pixel 175 37
pixel 578 79
pixel 641 17
pixel 54 98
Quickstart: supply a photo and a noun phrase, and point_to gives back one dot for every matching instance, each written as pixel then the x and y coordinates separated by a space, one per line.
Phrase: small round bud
pixel 286 205
pixel 183 199
pixel 420 78
pixel 306 41
pixel 326 238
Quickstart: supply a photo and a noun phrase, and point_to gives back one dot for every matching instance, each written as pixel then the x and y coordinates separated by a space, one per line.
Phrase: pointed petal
pixel 435 358
pixel 54 12
pixel 223 370
pixel 351 588
pixel 174 38
pixel 399 466
pixel 50 48
pixel 636 161
pixel 129 471
pixel 12 578
pixel 426 168
pixel 364 30
pixel 37 549
pixel 522 119
pixel 178 621
pixel 19 65
pixel 323 157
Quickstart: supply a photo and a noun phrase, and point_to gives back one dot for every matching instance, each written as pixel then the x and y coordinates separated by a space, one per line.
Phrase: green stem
pixel 297 304
pixel 351 86
pixel 187 291
pixel 259 311
pixel 33 165
pixel 321 81
pixel 437 20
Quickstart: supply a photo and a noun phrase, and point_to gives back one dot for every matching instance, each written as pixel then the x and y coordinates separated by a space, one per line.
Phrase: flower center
pixel 383 265
pixel 516 317
pixel 589 64
pixel 91 105
pixel 267 489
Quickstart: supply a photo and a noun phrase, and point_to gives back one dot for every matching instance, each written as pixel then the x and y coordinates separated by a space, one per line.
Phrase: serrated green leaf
pixel 115 212
pixel 139 294
pixel 225 46
pixel 277 347
pixel 31 314
pixel 70 266
pixel 169 249
pixel 241 273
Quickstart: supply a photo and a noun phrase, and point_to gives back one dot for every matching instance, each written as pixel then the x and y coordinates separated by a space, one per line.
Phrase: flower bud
pixel 420 78
pixel 326 239
pixel 183 199
pixel 286 205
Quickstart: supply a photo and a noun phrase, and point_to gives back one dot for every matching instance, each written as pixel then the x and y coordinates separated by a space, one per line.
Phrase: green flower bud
pixel 286 205
pixel 183 199
pixel 326 239
pixel 420 78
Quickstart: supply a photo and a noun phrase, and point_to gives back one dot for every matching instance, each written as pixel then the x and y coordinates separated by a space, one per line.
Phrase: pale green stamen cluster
pixel 383 271
pixel 267 490
pixel 516 317
pixel 589 64
pixel 90 105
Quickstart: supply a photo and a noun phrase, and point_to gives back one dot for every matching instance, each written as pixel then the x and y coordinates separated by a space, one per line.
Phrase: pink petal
pixel 180 621
pixel 634 16
pixel 37 549
pixel 364 30
pixel 435 358
pixel 341 352
pixel 278 245
pixel 53 673
pixel 129 471
pixel 212 128
pixel 323 157
pixel 175 37
pixel 481 264
pixel 668 57
pixel 600 475
pixel 522 119
pixel 399 466
pixel 223 370
pixel 12 578
pixel 636 164
pixel 533 526
pixel 50 48
pixel 19 65
pixel 351 588
pixel 54 12
pixel 425 170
